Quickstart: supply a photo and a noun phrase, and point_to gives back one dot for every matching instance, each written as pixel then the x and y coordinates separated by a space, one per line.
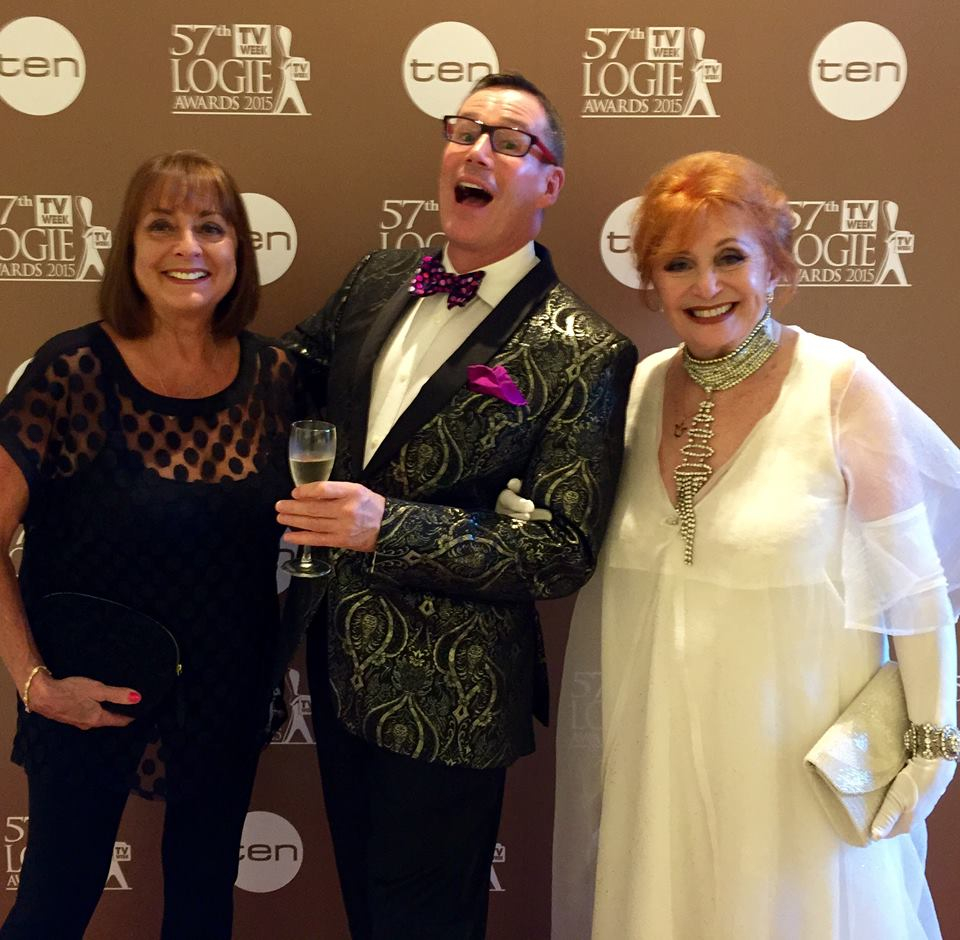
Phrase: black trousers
pixel 70 848
pixel 413 840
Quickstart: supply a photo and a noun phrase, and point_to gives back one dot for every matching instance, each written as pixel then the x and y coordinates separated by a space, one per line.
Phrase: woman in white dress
pixel 783 511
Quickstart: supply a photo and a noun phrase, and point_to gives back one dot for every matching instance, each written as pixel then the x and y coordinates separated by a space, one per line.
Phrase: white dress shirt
pixel 426 336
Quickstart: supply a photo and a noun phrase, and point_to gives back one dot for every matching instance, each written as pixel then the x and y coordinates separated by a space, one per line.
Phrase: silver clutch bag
pixel 856 759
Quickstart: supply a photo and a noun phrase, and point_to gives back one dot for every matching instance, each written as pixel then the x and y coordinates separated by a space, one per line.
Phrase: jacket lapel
pixel 480 347
pixel 359 342
pixel 353 372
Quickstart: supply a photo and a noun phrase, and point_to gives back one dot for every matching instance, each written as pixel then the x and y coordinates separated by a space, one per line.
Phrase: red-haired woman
pixel 783 511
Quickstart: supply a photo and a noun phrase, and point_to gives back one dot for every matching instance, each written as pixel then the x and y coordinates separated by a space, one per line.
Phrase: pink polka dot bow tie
pixel 431 278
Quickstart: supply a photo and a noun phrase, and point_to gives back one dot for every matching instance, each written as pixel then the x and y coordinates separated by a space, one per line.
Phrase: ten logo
pixel 274 236
pixel 271 853
pixel 20 369
pixel 442 63
pixel 42 68
pixel 858 70
pixel 16 549
pixel 615 243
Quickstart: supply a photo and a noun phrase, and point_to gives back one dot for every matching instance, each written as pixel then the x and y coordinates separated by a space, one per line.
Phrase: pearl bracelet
pixel 26 685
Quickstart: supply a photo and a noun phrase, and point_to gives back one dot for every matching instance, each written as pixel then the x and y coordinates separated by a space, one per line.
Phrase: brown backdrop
pixel 352 157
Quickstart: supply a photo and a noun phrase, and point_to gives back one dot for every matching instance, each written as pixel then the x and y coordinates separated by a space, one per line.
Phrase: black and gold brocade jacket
pixel 434 643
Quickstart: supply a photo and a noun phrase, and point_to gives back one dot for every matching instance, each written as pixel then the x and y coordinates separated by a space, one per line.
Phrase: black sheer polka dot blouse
pixel 166 505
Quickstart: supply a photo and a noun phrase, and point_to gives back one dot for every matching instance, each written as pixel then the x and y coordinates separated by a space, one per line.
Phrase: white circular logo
pixel 274 236
pixel 443 62
pixel 42 67
pixel 616 239
pixel 20 369
pixel 858 70
pixel 271 853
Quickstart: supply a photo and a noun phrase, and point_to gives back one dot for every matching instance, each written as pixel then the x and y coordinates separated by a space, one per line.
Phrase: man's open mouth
pixel 471 194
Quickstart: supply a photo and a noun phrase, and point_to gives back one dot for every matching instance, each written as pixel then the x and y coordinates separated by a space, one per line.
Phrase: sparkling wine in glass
pixel 313 446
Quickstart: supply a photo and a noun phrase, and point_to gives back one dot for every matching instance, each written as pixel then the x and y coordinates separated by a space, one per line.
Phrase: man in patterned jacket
pixel 426 661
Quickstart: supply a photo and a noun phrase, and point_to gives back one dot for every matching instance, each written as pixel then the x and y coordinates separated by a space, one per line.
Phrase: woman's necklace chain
pixel 712 375
pixel 195 389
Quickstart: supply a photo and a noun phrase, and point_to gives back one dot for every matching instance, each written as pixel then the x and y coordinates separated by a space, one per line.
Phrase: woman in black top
pixel 143 455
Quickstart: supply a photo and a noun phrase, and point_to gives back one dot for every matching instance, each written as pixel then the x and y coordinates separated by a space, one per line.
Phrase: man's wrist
pixel 379 508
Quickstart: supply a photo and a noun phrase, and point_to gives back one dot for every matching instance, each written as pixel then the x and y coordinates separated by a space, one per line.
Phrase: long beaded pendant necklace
pixel 713 375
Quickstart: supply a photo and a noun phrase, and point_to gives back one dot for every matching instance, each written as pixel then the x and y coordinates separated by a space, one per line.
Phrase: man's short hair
pixel 557 139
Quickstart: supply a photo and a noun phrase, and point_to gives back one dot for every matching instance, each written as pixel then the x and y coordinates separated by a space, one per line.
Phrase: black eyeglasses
pixel 510 141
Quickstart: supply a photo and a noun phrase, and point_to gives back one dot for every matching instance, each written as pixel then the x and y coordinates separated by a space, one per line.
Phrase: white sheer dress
pixel 691 693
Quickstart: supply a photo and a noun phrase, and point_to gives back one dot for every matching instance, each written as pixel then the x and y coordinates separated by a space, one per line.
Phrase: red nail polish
pixel 134 697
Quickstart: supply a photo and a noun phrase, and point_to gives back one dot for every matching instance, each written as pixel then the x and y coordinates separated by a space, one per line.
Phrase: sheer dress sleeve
pixel 901 540
pixel 51 422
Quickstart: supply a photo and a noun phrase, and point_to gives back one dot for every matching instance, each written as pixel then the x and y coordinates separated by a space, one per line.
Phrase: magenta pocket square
pixel 496 382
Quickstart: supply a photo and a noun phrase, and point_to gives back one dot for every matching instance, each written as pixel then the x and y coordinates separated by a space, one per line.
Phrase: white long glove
pixel 912 796
pixel 511 503
pixel 928 667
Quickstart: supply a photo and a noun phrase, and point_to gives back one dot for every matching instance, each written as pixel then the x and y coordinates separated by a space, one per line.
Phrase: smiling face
pixel 713 283
pixel 491 204
pixel 185 255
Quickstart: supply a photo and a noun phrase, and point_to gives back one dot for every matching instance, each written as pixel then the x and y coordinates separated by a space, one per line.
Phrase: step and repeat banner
pixel 327 115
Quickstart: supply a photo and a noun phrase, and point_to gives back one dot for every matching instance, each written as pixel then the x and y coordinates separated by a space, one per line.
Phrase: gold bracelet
pixel 26 685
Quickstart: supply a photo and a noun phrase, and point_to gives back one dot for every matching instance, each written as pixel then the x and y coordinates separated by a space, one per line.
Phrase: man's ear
pixel 552 186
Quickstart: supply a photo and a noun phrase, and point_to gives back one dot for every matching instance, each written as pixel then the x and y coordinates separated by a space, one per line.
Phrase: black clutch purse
pixel 83 635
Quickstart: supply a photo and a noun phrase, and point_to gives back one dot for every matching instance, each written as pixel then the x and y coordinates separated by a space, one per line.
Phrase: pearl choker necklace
pixel 716 375
pixel 713 375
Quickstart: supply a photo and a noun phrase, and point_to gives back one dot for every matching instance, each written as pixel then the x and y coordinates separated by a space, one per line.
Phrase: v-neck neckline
pixel 720 472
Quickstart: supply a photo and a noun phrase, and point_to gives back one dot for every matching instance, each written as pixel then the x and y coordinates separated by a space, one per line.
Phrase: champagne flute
pixel 313 446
